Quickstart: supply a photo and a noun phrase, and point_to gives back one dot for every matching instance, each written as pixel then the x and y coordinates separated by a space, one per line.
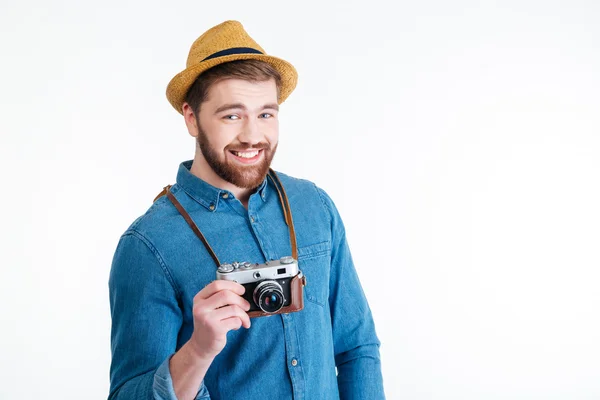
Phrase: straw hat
pixel 225 42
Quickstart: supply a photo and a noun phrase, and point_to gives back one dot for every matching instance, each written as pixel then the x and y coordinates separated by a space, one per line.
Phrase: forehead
pixel 241 91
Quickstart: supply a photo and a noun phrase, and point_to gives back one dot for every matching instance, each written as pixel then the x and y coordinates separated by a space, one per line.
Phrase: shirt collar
pixel 205 193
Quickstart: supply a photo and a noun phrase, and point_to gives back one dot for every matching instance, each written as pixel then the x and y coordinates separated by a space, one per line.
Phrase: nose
pixel 250 133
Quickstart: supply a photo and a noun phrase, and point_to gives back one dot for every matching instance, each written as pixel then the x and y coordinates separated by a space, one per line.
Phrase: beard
pixel 242 176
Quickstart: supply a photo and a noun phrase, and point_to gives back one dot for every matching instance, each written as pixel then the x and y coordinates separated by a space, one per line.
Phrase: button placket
pixel 292 350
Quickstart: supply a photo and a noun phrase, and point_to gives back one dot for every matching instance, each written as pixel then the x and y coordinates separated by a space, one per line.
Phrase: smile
pixel 247 157
pixel 247 154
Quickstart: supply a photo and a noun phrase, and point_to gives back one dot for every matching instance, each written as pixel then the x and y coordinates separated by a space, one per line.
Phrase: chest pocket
pixel 314 262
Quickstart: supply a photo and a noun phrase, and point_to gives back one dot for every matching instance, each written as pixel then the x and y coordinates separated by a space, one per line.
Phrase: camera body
pixel 274 287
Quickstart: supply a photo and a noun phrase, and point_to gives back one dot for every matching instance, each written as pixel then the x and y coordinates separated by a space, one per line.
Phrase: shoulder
pixel 140 253
pixel 302 186
pixel 159 215
pixel 307 193
pixel 293 182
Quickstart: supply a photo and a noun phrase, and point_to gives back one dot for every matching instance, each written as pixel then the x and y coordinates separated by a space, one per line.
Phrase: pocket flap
pixel 314 250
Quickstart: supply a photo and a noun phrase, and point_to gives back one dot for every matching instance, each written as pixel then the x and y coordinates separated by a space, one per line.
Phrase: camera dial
pixel 286 260
pixel 246 265
pixel 225 268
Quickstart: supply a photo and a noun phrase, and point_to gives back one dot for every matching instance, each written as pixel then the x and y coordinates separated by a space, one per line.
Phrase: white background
pixel 458 139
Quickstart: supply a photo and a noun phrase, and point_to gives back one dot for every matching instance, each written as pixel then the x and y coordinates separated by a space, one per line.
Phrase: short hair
pixel 248 70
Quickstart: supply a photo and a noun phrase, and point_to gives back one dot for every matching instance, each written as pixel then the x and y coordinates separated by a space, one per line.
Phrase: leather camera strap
pixel 192 224
pixel 285 205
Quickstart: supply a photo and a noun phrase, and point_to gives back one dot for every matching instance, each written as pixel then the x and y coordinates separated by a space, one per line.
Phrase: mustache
pixel 258 146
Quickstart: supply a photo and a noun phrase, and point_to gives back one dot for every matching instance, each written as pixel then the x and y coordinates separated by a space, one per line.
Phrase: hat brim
pixel 181 83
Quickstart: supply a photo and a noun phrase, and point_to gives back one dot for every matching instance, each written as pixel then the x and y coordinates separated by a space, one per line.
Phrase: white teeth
pixel 249 154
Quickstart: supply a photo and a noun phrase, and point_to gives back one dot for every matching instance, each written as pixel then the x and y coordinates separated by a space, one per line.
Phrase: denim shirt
pixel 160 265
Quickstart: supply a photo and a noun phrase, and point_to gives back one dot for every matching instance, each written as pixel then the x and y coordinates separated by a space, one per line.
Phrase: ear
pixel 190 119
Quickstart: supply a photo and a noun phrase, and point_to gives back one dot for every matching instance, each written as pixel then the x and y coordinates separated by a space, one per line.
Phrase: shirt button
pixel 252 218
pixel 294 362
pixel 212 207
pixel 225 195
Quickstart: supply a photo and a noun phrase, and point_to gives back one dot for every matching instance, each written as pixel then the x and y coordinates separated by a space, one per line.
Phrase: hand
pixel 218 308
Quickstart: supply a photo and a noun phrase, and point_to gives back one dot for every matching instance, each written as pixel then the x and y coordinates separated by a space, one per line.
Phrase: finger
pixel 224 298
pixel 217 286
pixel 233 323
pixel 231 311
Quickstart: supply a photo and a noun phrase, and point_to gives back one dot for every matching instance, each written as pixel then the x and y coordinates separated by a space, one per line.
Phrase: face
pixel 237 130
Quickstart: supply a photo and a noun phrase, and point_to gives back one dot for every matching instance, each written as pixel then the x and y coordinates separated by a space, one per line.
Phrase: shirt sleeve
pixel 146 319
pixel 356 345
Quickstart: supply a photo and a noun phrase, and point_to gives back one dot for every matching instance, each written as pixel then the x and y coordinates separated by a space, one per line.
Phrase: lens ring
pixel 268 295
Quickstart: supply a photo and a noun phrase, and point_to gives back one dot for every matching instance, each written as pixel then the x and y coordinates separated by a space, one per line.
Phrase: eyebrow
pixel 240 106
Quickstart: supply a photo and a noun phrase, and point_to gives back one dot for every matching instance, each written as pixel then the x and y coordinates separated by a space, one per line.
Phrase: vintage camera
pixel 274 287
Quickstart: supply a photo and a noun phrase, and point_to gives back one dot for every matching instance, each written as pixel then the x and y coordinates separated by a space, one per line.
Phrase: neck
pixel 202 170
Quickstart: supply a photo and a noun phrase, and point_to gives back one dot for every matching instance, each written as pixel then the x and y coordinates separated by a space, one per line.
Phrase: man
pixel 177 332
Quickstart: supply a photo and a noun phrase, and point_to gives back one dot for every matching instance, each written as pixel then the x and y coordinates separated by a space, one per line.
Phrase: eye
pixel 266 115
pixel 231 117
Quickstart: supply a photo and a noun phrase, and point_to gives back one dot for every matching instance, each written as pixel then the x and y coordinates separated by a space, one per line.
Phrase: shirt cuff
pixel 162 387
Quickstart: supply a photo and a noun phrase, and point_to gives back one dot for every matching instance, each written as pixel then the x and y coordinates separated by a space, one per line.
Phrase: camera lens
pixel 268 295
